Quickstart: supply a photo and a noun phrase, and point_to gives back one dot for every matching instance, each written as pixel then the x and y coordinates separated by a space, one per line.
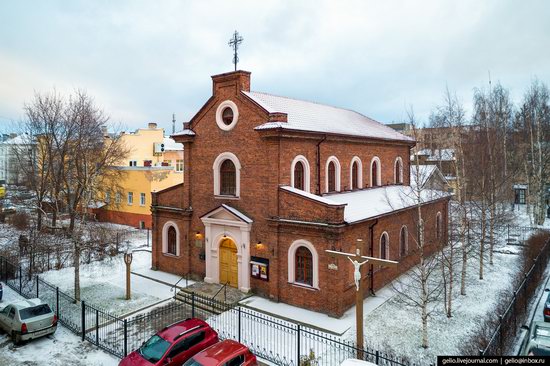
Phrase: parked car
pixel 546 310
pixel 537 342
pixel 27 319
pixel 174 344
pixel 226 353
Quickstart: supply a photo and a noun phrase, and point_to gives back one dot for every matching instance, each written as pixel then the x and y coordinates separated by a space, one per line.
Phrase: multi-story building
pixel 272 182
pixel 155 162
pixel 12 150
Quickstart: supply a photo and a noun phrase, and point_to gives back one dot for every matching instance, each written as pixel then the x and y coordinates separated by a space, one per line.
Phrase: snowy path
pixel 60 349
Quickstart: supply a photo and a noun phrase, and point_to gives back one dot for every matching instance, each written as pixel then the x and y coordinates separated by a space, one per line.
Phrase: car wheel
pixel 15 339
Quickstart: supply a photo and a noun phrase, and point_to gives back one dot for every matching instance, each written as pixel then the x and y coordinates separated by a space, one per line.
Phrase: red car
pixel 226 353
pixel 173 345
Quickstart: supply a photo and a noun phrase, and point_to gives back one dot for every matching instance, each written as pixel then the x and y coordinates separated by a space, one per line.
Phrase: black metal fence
pixel 514 314
pixel 277 340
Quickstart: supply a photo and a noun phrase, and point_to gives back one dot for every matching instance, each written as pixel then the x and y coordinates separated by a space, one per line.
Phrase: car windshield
pixel 39 310
pixel 539 351
pixel 192 362
pixel 154 348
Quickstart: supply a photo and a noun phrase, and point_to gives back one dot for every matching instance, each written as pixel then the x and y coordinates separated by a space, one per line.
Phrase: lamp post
pixel 128 262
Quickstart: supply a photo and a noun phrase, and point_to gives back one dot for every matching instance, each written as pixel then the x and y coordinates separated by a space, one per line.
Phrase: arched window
pixel 331 177
pixel 299 175
pixel 172 240
pixel 403 242
pixel 356 173
pixel 332 174
pixel 438 226
pixel 304 266
pixel 228 178
pixel 375 172
pixel 227 175
pixel 384 246
pixel 398 173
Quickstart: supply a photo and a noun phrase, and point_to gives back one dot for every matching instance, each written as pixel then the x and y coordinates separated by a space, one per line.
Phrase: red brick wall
pixel 123 218
pixel 266 162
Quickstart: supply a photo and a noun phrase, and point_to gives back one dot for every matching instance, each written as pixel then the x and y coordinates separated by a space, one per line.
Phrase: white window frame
pixel 130 198
pixel 399 161
pixel 359 173
pixel 179 165
pixel 385 233
pixel 292 263
pixel 439 220
pixel 307 181
pixel 216 169
pixel 378 172
pixel 406 239
pixel 118 197
pixel 165 238
pixel 133 162
pixel 108 197
pixel 219 119
pixel 337 171
pixel 142 199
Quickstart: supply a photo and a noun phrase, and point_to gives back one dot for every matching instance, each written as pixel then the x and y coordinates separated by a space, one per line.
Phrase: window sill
pixel 303 286
pixel 221 197
pixel 170 255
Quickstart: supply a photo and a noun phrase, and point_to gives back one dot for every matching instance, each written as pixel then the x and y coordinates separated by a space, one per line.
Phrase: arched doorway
pixel 228 263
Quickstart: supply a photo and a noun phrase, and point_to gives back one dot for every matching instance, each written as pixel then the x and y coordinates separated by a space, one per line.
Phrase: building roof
pixel 438 154
pixel 22 139
pixel 171 145
pixel 424 173
pixel 375 202
pixel 315 117
pixel 185 132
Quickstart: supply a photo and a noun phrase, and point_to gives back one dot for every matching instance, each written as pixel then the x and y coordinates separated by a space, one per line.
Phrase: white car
pixel 27 319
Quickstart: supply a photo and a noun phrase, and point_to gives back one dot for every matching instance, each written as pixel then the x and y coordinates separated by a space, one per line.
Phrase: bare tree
pixel 451 114
pixel 422 287
pixel 532 134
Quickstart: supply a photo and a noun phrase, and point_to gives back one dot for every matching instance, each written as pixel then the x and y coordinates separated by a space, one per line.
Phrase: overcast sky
pixel 144 60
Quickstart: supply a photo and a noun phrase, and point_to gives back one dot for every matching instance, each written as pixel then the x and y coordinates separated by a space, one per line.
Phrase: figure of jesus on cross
pixel 355 260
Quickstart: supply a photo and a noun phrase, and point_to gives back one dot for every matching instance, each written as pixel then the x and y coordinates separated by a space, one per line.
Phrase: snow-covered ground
pixel 60 349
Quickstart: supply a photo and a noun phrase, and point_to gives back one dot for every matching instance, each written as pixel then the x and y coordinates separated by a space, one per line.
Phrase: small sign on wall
pixel 198 243
pixel 259 268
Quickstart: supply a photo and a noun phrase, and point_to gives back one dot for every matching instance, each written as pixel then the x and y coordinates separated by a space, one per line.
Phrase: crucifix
pixel 358 260
pixel 234 43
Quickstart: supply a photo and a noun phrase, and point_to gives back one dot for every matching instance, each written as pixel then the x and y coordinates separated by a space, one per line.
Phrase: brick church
pixel 271 182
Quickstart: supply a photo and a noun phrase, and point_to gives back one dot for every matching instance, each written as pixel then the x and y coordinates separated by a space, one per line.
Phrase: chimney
pixel 152 125
pixel 236 80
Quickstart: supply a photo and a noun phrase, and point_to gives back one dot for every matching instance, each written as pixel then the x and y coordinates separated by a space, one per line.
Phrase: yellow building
pixel 155 162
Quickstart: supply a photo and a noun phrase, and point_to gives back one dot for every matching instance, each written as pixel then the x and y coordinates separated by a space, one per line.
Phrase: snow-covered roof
pixel 519 186
pixel 96 204
pixel 22 139
pixel 310 196
pixel 315 117
pixel 171 145
pixel 186 132
pixel 373 202
pixel 423 172
pixel 438 154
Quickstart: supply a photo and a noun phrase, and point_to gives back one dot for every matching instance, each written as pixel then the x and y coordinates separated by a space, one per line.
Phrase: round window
pixel 227 116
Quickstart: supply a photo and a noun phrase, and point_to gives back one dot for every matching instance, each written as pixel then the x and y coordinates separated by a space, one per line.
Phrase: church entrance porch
pixel 228 263
pixel 227 247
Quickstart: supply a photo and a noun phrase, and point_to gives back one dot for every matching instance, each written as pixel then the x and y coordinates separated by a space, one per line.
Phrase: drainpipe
pixel 371 268
pixel 318 163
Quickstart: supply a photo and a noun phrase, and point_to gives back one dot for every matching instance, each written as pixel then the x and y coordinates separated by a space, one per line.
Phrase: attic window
pixel 227 116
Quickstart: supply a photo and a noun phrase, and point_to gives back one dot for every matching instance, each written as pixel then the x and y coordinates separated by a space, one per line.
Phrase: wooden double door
pixel 229 272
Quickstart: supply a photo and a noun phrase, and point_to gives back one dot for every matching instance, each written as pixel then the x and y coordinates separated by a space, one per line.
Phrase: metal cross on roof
pixel 234 43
